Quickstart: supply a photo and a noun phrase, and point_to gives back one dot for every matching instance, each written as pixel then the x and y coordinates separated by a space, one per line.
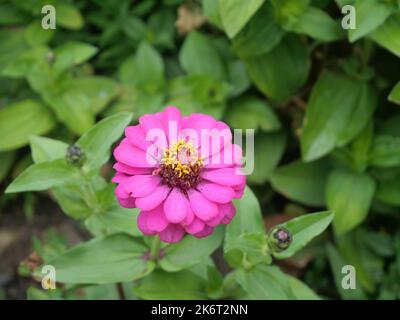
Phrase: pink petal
pixel 216 192
pixel 172 122
pixel 195 227
pixel 128 203
pixel 154 130
pixel 152 200
pixel 133 156
pixel 123 168
pixel 176 206
pixel 239 191
pixel 229 211
pixel 230 156
pixel 150 121
pixel 120 192
pixel 119 177
pixel 195 123
pixel 142 185
pixel 201 206
pixel 136 137
pixel 156 219
pixel 142 224
pixel 225 176
pixel 205 232
pixel 173 233
pixel 217 220
pixel 189 217
pixel 214 140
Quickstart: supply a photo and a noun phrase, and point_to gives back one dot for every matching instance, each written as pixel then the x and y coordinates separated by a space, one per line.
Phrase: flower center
pixel 181 166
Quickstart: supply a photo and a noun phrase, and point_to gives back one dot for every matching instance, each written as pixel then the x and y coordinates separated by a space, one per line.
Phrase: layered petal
pixel 156 220
pixel 154 199
pixel 142 224
pixel 133 156
pixel 176 206
pixel 225 176
pixel 141 186
pixel 216 192
pixel 173 233
pixel 203 208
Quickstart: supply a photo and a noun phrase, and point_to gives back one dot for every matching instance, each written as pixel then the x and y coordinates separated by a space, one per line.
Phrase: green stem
pixel 89 193
pixel 155 248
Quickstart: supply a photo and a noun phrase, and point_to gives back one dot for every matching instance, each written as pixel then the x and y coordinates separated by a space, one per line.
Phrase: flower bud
pixel 75 155
pixel 279 239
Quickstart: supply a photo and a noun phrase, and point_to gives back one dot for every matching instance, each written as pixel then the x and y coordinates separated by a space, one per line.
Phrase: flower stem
pixel 155 248
pixel 120 290
pixel 89 193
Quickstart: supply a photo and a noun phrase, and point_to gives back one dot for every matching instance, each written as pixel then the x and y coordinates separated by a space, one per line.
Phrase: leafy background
pixel 323 101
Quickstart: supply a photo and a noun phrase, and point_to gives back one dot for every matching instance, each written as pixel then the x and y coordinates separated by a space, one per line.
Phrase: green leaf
pixel 356 251
pixel 236 13
pixel 303 230
pixel 360 148
pixel 36 35
pixel 28 63
pixel 367 22
pixel 336 263
pixel 260 35
pixel 43 176
pixel 385 151
pixel 282 71
pixel 198 56
pixel 198 93
pixel 303 182
pixel 349 196
pixel 251 112
pixel 45 149
pixel 268 150
pixel 356 154
pixel 71 54
pixel 248 218
pixel 301 291
pixel 211 11
pixel 162 285
pixel 68 16
pixel 6 160
pixel 12 45
pixel 97 90
pixel 22 119
pixel 97 142
pixel 248 248
pixel 338 109
pixel 147 69
pixel 388 34
pixel 73 108
pixel 394 95
pixel 388 191
pixel 190 251
pixel 118 219
pixel 317 24
pixel 215 285
pixel 288 12
pixel 69 198
pixel 238 78
pixel 115 258
pixel 265 283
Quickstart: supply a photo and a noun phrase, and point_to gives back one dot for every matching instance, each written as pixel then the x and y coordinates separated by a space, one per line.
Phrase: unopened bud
pixel 279 239
pixel 75 155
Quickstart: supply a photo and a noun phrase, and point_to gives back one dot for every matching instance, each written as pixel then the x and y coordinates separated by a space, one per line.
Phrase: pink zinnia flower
pixel 184 180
